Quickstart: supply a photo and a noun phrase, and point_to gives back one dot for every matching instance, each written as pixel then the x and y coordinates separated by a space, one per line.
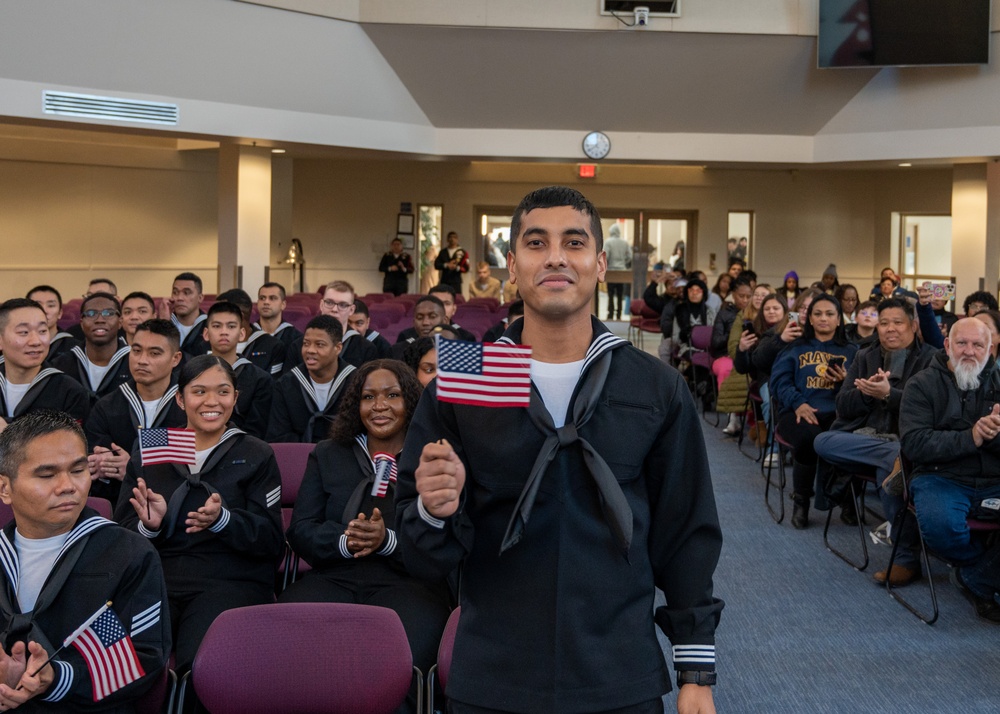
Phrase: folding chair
pixel 858 501
pixel 443 666
pixel 701 364
pixel 305 658
pixel 783 448
pixel 911 512
pixel 752 404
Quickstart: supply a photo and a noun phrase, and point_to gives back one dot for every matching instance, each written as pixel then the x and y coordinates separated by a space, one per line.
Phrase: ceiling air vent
pixel 657 8
pixel 88 106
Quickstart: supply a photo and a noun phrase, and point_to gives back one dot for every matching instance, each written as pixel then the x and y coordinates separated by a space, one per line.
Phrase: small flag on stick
pixel 484 375
pixel 108 651
pixel 385 473
pixel 166 446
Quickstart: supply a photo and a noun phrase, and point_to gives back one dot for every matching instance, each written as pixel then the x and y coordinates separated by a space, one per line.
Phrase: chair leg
pixel 924 562
pixel 857 565
pixel 779 514
pixel 429 705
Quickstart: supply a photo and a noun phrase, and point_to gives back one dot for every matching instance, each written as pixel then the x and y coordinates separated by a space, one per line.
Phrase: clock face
pixel 596 145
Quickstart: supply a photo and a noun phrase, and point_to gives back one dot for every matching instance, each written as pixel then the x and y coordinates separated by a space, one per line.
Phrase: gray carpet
pixel 804 632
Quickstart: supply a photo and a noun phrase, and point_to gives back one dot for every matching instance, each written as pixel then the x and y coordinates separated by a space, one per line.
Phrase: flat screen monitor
pixel 884 33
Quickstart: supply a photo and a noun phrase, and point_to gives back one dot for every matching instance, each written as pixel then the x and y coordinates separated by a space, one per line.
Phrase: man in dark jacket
pixel 865 435
pixel 949 419
pixel 569 513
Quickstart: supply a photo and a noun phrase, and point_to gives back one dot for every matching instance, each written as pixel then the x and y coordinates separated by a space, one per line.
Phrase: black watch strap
pixel 690 676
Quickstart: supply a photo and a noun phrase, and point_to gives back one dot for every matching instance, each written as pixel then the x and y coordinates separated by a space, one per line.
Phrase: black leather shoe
pixel 800 515
pixel 987 610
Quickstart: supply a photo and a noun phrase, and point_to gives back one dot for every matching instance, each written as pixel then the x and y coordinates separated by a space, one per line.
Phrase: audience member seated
pixel 421 356
pixel 97 285
pixel 397 267
pixel 515 312
pixel 51 301
pixel 806 382
pixel 345 513
pixel 484 284
pixel 306 398
pixel 216 523
pixel 732 392
pixel 338 302
pixel 949 420
pixel 361 322
pixel 720 292
pixel 24 384
pixel 862 331
pixel 101 364
pixel 790 288
pixel 255 346
pixel 271 306
pixel 446 294
pixel 887 272
pixel 865 434
pixel 757 349
pixel 829 282
pixel 147 401
pixel 979 301
pixel 660 289
pixel 428 313
pixel 61 566
pixel 886 289
pixel 991 318
pixel 224 330
pixel 690 313
pixel 847 296
pixel 942 316
pixel 183 307
pixel 137 307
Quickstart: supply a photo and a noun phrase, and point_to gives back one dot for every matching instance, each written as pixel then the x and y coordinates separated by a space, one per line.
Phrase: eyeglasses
pixel 339 305
pixel 106 312
pixel 866 313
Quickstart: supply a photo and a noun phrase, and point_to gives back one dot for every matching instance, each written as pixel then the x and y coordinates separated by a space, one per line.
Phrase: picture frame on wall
pixel 407 239
pixel 404 224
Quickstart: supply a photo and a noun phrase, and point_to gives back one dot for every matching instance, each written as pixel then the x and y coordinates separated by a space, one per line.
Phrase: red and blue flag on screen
pixel 483 375
pixel 166 446
pixel 109 653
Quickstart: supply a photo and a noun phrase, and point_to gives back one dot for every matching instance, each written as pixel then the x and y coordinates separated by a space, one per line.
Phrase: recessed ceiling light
pixel 906 164
pixel 277 151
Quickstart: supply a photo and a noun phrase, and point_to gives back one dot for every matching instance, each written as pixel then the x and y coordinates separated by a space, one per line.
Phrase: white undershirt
pixel 199 459
pixel 149 410
pixel 36 557
pixel 185 330
pixel 322 393
pixel 96 373
pixel 13 394
pixel 556 382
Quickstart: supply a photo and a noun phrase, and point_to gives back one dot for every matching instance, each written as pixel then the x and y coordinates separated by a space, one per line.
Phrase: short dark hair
pixel 348 423
pixel 164 328
pixel 516 308
pixel 905 305
pixel 329 325
pixel 750 275
pixel 9 306
pixel 192 278
pixel 742 279
pixel 114 287
pixel 44 289
pixel 140 295
pixel 240 298
pixel 442 288
pixel 554 197
pixel 202 363
pixel 414 351
pixel 95 296
pixel 980 296
pixel 736 259
pixel 22 431
pixel 432 299
pixel 272 284
pixel 867 304
pixel 360 308
pixel 224 307
pixel 993 315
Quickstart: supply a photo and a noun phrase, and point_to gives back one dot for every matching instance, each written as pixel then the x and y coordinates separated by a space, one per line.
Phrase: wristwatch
pixel 690 676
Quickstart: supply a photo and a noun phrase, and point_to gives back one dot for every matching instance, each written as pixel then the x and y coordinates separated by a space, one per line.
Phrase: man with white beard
pixel 949 420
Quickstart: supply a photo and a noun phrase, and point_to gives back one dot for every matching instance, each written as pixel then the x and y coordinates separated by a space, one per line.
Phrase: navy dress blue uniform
pixel 75 364
pixel 296 415
pixel 50 389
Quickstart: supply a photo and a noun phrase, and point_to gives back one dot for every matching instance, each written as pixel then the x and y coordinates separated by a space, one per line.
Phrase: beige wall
pixel 62 224
pixel 345 211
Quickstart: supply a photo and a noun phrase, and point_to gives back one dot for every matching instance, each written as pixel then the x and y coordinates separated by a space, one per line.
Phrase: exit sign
pixel 588 170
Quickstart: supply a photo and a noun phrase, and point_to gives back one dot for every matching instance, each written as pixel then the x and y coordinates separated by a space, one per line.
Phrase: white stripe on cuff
pixel 146 532
pixel 221 522
pixel 427 517
pixel 694 654
pixel 390 543
pixel 65 682
pixel 343 546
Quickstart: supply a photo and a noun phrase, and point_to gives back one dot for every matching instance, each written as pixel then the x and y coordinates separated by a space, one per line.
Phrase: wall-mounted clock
pixel 596 145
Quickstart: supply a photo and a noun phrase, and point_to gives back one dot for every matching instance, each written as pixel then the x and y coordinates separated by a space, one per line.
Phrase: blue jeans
pixel 943 505
pixel 765 409
pixel 864 453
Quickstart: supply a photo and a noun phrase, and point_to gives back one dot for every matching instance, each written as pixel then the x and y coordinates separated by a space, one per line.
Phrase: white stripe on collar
pixel 372 335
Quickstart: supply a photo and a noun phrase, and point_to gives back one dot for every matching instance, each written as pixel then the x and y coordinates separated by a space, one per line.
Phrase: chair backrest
pixel 701 337
pixel 447 646
pixel 306 658
pixel 292 459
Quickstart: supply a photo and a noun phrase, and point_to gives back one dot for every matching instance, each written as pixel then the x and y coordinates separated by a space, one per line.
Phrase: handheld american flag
pixel 484 375
pixel 108 651
pixel 385 473
pixel 166 446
